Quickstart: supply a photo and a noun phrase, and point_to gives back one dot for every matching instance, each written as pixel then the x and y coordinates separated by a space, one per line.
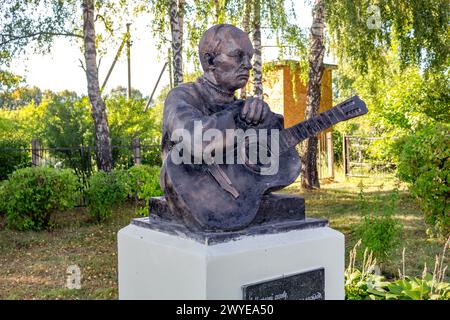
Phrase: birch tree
pixel 246 28
pixel 176 17
pixel 199 15
pixel 257 58
pixel 35 24
pixel 310 177
pixel 102 136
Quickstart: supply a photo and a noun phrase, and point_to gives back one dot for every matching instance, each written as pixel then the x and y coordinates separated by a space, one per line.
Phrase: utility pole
pixel 169 58
pixel 114 62
pixel 156 86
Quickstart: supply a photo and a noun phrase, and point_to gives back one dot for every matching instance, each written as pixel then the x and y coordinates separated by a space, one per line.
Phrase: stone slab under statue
pixel 221 231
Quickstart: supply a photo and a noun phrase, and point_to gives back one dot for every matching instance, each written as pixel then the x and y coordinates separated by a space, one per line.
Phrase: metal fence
pixel 82 160
pixel 359 162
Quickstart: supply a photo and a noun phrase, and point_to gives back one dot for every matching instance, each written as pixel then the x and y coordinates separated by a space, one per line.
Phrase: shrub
pixel 144 183
pixel 31 195
pixel 414 288
pixel 364 284
pixel 360 282
pixel 11 158
pixel 424 164
pixel 379 230
pixel 2 197
pixel 106 190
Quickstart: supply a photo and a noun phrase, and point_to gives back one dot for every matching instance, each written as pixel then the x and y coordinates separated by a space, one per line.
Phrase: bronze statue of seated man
pixel 225 54
pixel 203 189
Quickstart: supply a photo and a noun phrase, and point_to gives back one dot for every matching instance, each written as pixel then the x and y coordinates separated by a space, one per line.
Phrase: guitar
pixel 225 196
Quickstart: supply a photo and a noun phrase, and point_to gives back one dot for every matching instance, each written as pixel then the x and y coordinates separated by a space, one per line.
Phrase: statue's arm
pixel 182 116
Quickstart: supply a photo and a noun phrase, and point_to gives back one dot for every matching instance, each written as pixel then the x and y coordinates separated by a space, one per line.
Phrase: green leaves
pixel 127 120
pixel 67 121
pixel 416 289
pixel 424 164
pixel 31 195
pixel 144 183
pixel 35 22
pixel 361 30
pixel 365 285
pixel 109 189
pixel 106 190
pixel 379 230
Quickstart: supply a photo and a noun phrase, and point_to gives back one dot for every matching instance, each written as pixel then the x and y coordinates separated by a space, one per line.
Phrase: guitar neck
pixel 290 137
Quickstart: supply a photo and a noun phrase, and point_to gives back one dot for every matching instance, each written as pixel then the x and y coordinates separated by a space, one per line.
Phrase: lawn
pixel 33 264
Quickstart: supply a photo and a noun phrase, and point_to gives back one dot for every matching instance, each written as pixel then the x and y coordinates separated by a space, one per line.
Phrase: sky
pixel 60 69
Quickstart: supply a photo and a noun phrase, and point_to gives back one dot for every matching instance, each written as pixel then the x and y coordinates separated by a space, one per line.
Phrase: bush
pixel 365 284
pixel 106 190
pixel 11 159
pixel 31 195
pixel 144 183
pixel 2 197
pixel 360 282
pixel 424 164
pixel 379 230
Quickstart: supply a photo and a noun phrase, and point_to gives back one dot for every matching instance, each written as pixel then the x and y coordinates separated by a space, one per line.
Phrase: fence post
pixel 330 157
pixel 89 160
pixel 346 155
pixel 136 145
pixel 319 158
pixel 35 153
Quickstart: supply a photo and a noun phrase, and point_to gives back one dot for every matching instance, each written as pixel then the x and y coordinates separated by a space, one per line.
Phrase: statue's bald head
pixel 216 39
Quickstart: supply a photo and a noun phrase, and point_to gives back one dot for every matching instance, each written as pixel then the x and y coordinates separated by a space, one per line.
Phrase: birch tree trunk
pixel 219 14
pixel 310 177
pixel 98 109
pixel 257 64
pixel 246 27
pixel 176 14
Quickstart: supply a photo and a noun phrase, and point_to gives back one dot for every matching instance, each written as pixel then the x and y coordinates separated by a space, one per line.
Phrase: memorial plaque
pixel 308 285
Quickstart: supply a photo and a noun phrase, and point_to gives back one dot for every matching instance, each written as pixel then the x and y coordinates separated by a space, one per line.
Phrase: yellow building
pixel 285 92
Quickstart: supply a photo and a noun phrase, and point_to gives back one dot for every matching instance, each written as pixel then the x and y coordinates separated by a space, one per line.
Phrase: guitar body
pixel 205 204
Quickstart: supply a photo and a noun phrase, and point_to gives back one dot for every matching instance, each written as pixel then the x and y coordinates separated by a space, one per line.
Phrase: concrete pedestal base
pixel 158 265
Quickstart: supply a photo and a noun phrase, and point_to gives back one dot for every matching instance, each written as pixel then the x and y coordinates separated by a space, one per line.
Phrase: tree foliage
pixel 20 96
pixel 63 120
pixel 276 22
pixel 425 165
pixel 36 23
pixel 361 30
pixel 400 100
pixel 409 108
pixel 66 121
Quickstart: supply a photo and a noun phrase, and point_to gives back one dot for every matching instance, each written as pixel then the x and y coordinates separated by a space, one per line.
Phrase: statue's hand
pixel 254 111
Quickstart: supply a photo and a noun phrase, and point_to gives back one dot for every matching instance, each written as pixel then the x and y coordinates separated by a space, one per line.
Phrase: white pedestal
pixel 157 265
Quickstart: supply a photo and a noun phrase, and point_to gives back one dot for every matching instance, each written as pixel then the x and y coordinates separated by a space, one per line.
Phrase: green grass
pixel 33 264
pixel 338 202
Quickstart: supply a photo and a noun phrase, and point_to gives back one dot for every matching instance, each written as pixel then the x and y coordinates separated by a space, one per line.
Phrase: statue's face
pixel 232 64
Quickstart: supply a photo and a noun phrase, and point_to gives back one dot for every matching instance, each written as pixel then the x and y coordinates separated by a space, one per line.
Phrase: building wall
pixel 274 90
pixel 285 92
